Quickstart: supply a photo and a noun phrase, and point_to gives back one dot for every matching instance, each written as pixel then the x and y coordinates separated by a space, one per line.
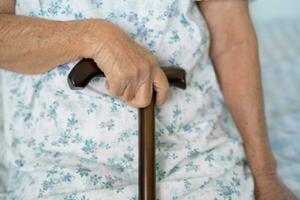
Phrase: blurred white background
pixel 264 10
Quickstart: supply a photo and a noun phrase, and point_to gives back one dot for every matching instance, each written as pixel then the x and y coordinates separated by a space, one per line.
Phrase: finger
pixel 115 88
pixel 161 86
pixel 129 92
pixel 143 96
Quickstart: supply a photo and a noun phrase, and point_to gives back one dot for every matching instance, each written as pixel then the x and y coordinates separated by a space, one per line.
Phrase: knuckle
pixel 114 93
pixel 125 98
pixel 145 102
pixel 112 82
pixel 112 89
pixel 119 76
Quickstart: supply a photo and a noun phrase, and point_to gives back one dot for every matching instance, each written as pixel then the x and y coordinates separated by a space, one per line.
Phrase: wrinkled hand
pixel 131 71
pixel 269 187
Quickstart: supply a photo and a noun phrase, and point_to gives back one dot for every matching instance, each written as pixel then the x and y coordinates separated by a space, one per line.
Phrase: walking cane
pixel 87 69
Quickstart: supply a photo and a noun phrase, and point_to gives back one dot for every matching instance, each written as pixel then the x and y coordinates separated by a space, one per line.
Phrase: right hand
pixel 131 71
pixel 269 187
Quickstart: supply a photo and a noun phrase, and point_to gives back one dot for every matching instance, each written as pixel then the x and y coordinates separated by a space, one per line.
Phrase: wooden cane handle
pixel 87 69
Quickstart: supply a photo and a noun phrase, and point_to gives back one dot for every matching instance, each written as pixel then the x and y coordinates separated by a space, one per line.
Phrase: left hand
pixel 269 187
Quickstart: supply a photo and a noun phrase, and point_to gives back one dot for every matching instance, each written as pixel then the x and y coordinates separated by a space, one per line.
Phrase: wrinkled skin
pixel 132 72
pixel 269 187
pixel 234 51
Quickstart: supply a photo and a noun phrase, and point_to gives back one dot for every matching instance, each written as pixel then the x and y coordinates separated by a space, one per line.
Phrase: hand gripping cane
pixel 87 69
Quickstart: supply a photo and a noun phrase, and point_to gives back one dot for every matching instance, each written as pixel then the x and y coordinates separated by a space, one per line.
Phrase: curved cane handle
pixel 84 71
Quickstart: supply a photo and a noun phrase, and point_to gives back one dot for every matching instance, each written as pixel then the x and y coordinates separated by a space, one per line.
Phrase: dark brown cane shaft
pixel 147 152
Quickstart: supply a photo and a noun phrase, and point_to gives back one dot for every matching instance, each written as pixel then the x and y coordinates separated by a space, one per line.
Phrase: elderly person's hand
pixel 131 71
pixel 269 187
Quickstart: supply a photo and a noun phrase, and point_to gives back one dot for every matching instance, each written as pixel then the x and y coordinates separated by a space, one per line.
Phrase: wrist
pixel 77 35
pixel 80 37
pixel 260 157
pixel 264 165
pixel 94 34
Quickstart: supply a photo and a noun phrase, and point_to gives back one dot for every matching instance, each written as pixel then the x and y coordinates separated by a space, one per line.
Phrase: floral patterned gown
pixel 63 144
